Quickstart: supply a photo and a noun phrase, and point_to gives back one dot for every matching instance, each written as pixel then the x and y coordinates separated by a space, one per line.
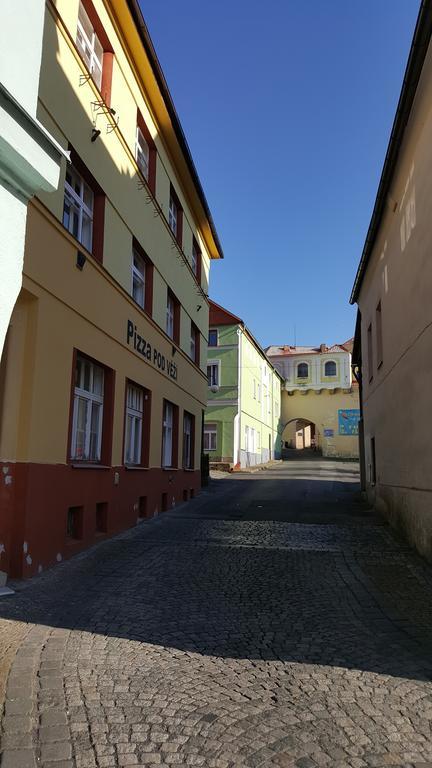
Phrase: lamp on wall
pixel 80 260
pixel 95 133
pixel 173 350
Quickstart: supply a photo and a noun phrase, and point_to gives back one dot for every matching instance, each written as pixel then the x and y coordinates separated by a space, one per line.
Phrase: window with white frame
pixel 142 153
pixel 213 374
pixel 170 316
pixel 173 215
pixel 167 434
pixel 259 392
pixel 196 258
pixel 89 46
pixel 78 208
pixel 194 341
pixel 187 440
pixel 138 279
pixel 134 424
pixel 258 441
pixel 87 411
pixel 213 338
pixel 330 368
pixel 302 371
pixel 210 437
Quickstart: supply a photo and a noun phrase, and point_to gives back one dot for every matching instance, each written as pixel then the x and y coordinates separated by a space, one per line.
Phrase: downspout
pixel 237 417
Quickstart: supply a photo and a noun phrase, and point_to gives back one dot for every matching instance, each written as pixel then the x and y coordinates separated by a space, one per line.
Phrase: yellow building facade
pixel 103 377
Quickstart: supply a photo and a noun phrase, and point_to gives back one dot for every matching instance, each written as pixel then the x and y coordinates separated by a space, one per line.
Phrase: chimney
pixel 323 348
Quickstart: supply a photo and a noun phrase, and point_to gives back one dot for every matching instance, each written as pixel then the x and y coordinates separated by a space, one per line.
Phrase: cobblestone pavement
pixel 272 622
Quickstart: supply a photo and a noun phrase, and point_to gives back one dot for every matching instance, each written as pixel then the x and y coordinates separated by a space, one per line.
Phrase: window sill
pixel 189 469
pixel 135 468
pixel 169 469
pixel 84 465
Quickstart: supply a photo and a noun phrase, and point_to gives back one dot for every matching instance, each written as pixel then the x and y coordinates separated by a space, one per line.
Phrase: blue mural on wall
pixel 348 421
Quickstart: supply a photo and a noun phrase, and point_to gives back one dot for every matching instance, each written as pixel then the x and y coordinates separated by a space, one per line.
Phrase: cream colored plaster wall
pixel 67 102
pixel 322 410
pixel 117 248
pixel 88 311
pixel 396 394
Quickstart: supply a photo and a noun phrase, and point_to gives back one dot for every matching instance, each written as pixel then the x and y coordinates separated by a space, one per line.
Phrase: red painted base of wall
pixel 35 500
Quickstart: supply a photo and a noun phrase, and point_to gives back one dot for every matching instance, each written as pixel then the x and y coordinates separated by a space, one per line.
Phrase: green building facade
pixel 242 425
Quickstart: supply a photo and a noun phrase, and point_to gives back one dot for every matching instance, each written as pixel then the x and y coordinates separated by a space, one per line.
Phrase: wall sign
pixel 149 353
pixel 328 433
pixel 348 421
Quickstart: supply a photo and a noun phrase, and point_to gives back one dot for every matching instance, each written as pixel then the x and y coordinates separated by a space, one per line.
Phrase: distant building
pixel 320 401
pixel 393 290
pixel 242 419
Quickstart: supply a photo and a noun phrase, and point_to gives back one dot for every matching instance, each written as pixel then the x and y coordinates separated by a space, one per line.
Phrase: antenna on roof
pixel 295 335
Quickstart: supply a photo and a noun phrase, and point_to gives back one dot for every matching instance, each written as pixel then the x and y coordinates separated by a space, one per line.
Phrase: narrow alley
pixel 272 621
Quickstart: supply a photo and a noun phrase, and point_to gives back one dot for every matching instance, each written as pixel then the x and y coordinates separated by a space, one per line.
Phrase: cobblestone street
pixel 273 621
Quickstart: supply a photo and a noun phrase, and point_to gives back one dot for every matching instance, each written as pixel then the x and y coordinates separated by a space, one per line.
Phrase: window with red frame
pixel 142 278
pixel 94 48
pixel 145 152
pixel 196 260
pixel 188 440
pixel 194 343
pixel 91 428
pixel 84 207
pixel 169 435
pixel 175 216
pixel 137 425
pixel 173 317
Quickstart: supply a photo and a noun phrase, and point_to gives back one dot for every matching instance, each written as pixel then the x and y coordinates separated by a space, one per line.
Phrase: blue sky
pixel 287 107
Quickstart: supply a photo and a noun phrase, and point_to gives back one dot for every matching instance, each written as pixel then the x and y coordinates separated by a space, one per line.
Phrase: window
pixel 213 374
pixel 196 260
pixel 134 424
pixel 370 352
pixel 254 388
pixel 87 411
pixel 170 316
pixel 175 216
pixel 172 216
pixel 194 343
pixel 142 153
pixel 210 437
pixel 259 393
pixel 138 279
pixel 372 465
pixel 379 341
pixel 169 434
pixel 302 371
pixel 94 48
pixel 78 208
pixel 330 368
pixel 188 440
pixel 89 46
pixel 213 338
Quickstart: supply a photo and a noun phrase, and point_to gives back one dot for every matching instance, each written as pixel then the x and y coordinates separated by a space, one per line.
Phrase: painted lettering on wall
pixel 144 348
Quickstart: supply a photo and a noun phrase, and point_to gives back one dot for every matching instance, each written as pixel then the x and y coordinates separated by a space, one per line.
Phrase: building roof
pixel 286 350
pixel 171 116
pixel 221 316
pixel 419 47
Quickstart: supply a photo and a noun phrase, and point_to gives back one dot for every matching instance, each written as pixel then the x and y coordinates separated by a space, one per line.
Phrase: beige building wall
pixel 322 409
pixel 397 362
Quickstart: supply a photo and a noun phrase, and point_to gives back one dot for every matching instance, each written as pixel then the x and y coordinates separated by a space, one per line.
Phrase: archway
pixel 299 434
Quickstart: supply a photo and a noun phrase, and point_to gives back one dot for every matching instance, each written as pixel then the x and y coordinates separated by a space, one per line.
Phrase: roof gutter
pixel 175 120
pixel 419 47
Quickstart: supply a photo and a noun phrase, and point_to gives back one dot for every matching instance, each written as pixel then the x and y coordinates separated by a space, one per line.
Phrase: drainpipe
pixel 237 418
